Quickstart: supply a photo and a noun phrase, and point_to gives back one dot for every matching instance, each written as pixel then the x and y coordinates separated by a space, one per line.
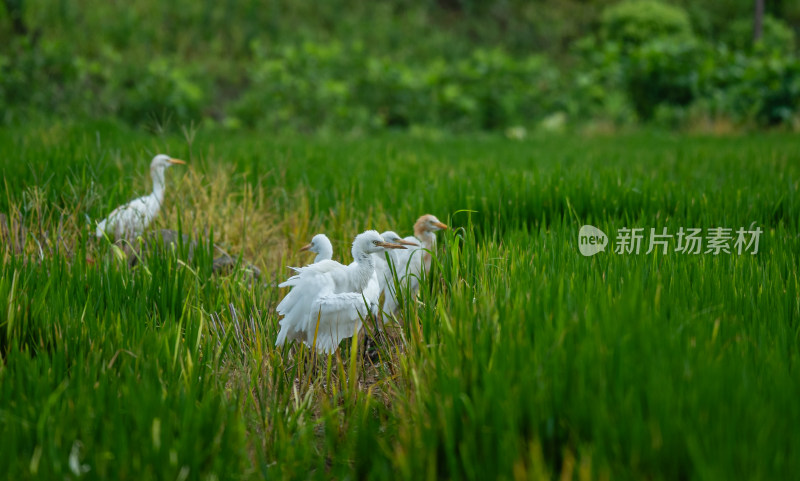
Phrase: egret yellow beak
pixel 305 247
pixel 440 225
pixel 176 161
pixel 389 245
pixel 407 243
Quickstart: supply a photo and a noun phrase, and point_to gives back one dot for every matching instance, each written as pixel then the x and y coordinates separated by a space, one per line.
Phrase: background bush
pixel 356 66
pixel 777 36
pixel 663 72
pixel 339 87
pixel 632 23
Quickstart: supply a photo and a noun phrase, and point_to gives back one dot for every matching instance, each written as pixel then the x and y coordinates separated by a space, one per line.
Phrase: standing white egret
pixel 129 221
pixel 328 300
pixel 411 264
pixel 383 270
pixel 320 245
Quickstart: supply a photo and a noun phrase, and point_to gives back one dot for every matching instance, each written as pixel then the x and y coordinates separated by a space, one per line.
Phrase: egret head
pixel 162 161
pixel 319 243
pixel 371 242
pixel 391 236
pixel 428 223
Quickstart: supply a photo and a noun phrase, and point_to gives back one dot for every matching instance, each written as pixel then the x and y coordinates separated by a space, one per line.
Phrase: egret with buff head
pixel 411 265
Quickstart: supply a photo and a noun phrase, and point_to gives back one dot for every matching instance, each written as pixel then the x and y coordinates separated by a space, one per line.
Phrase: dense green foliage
pixel 341 88
pixel 632 23
pixel 360 66
pixel 523 360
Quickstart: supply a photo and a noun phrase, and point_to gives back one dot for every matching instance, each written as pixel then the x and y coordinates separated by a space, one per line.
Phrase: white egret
pixel 129 221
pixel 411 264
pixel 328 300
pixel 383 270
pixel 320 245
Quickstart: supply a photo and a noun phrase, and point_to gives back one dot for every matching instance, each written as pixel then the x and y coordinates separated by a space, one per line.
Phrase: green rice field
pixel 519 359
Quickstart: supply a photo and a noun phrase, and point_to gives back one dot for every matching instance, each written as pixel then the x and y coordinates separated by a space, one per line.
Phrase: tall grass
pixel 520 359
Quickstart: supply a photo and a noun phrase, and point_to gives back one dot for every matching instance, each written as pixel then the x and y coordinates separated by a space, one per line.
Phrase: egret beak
pixel 176 161
pixel 407 243
pixel 305 247
pixel 389 245
pixel 440 225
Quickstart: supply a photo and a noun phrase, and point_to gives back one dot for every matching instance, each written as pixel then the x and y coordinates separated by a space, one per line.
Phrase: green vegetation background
pixel 358 66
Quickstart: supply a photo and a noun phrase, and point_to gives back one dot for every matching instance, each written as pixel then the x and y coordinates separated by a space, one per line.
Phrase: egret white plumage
pixel 413 263
pixel 328 300
pixel 129 221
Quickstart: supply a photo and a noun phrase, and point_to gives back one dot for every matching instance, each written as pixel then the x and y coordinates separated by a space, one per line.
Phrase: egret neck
pixel 157 174
pixel 427 241
pixel 362 268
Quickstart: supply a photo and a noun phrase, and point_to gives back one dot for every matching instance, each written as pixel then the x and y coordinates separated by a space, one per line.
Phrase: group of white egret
pixel 328 300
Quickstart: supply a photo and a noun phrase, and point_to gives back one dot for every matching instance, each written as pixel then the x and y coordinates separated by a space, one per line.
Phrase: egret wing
pixel 311 270
pixel 109 223
pixel 128 220
pixel 295 306
pixel 335 317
